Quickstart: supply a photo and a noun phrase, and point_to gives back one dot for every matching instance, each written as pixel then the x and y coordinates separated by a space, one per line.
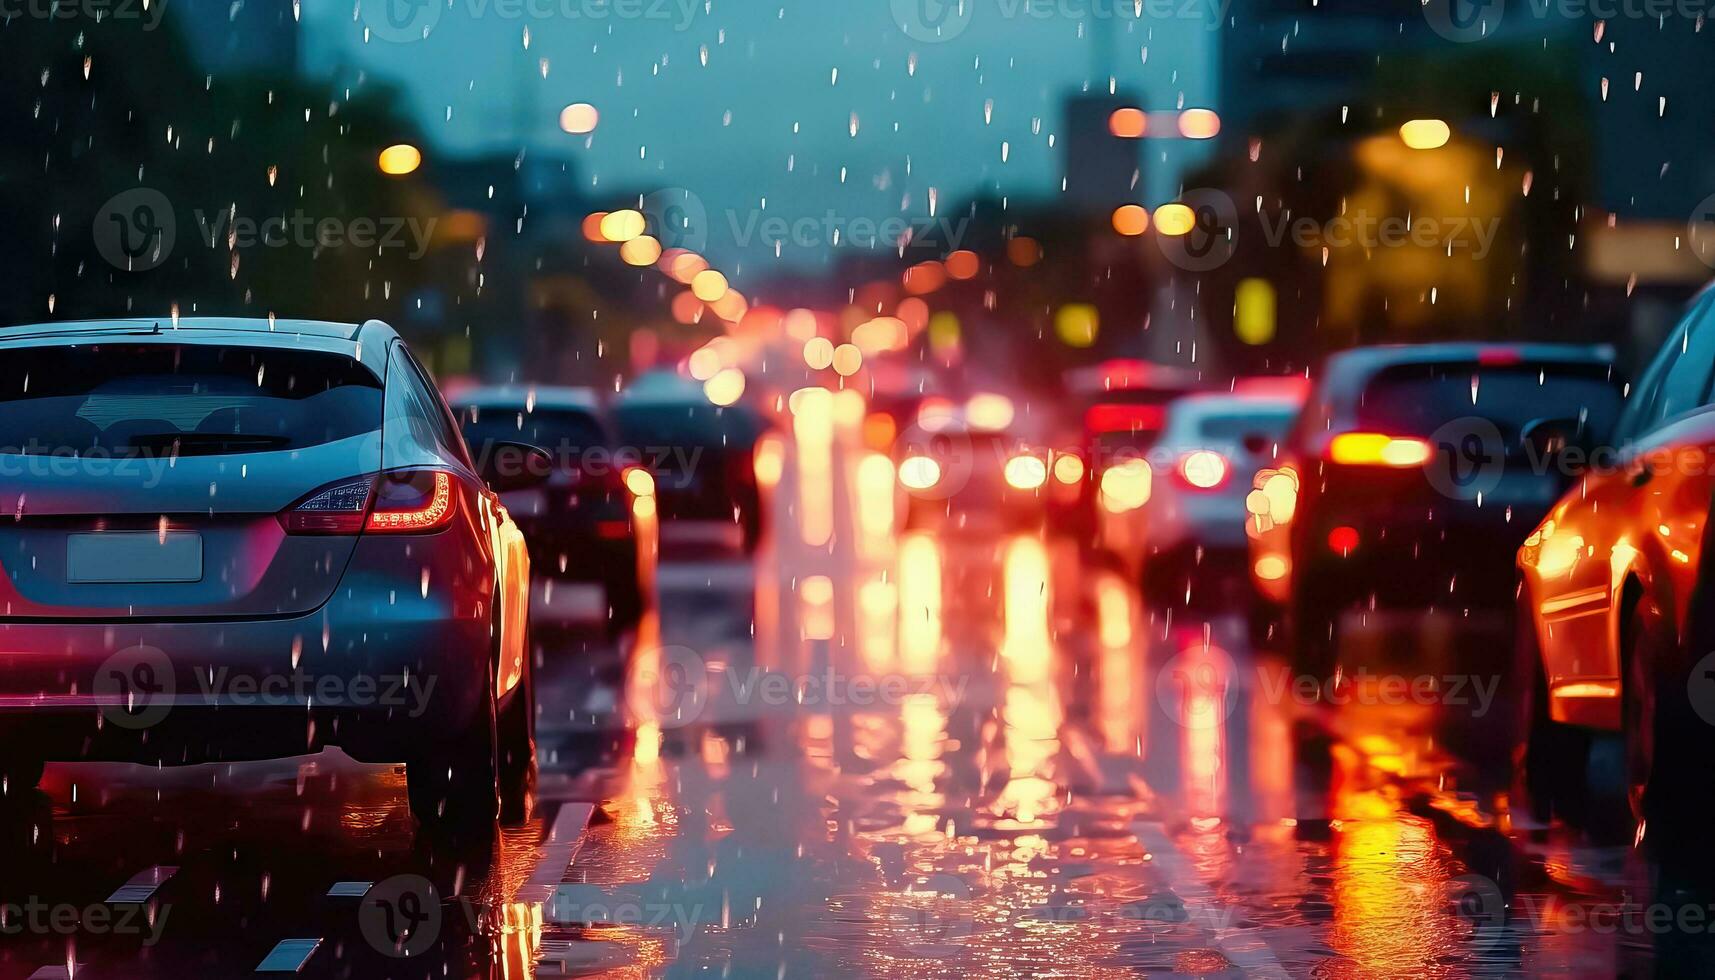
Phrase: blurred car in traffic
pixel 250 531
pixel 966 466
pixel 700 457
pixel 1192 528
pixel 579 523
pixel 1614 672
pixel 1408 480
pixel 1117 411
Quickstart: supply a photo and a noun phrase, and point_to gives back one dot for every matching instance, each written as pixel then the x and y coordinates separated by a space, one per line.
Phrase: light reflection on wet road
pixel 869 751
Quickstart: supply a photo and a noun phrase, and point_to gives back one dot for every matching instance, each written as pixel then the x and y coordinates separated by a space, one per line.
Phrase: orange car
pixel 1617 681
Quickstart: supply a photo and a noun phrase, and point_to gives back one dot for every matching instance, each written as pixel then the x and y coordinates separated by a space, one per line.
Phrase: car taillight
pixel 413 502
pixel 1378 449
pixel 1204 469
pixel 337 509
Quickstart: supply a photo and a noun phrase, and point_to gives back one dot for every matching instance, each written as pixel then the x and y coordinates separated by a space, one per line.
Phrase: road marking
pixel 142 886
pixel 1244 948
pixel 564 839
pixel 350 889
pixel 289 956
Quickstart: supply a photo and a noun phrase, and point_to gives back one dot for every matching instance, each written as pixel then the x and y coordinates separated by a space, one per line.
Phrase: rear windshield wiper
pixel 204 443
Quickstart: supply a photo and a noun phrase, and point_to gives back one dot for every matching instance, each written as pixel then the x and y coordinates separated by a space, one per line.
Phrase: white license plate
pixel 136 557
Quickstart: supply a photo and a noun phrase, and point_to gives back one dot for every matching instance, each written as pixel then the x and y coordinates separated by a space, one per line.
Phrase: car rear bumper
pixel 382 679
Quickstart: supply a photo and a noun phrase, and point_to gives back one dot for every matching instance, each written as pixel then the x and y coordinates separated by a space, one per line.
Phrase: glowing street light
pixel 579 118
pixel 1425 134
pixel 400 159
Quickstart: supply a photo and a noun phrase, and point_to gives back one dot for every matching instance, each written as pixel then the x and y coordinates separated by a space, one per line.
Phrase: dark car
pixel 1414 475
pixel 579 524
pixel 239 539
pixel 702 457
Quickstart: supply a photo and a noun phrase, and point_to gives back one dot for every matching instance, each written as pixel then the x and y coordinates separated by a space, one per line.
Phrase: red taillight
pixel 337 509
pixel 1204 469
pixel 400 502
pixel 413 502
pixel 1343 540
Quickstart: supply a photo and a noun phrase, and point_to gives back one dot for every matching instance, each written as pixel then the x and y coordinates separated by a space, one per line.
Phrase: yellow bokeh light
pixel 1425 134
pixel 819 353
pixel 709 285
pixel 622 225
pixel 1199 124
pixel 726 387
pixel 640 251
pixel 399 159
pixel 1077 324
pixel 1254 311
pixel 847 360
pixel 1174 219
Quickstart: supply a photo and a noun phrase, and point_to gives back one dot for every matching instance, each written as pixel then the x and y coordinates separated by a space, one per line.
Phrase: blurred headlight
pixel 1025 472
pixel 1126 486
pixel 919 472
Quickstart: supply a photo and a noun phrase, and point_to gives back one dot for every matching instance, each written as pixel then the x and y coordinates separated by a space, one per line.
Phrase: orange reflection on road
pixel 1391 914
pixel 1122 718
pixel 919 602
pixel 813 429
pixel 1026 645
pixel 1032 713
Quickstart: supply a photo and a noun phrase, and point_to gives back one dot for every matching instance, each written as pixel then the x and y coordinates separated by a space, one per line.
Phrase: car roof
pixel 559 398
pixel 366 342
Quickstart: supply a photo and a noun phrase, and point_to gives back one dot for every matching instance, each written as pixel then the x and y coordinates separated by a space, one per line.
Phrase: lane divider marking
pixel 1244 948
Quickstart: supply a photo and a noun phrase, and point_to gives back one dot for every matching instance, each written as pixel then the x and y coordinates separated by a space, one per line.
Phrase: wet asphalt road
pixel 873 752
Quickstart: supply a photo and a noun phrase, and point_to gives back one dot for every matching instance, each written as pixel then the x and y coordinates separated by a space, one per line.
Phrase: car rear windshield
pixel 556 430
pixel 1418 399
pixel 128 400
pixel 1235 428
pixel 660 425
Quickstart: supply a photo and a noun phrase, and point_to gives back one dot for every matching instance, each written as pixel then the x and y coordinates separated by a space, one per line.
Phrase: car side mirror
pixel 1549 439
pixel 512 466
